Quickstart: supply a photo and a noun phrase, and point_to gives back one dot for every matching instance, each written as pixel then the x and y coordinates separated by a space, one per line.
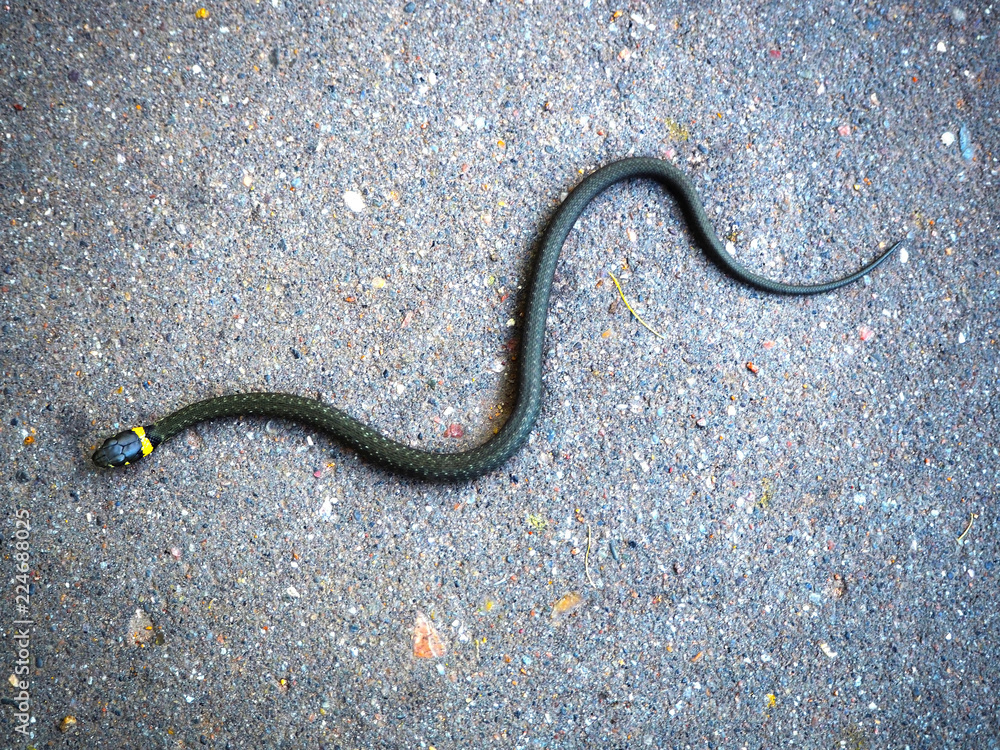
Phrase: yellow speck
pixel 772 699
pixel 201 13
pixel 676 130
pixel 501 144
pixel 567 603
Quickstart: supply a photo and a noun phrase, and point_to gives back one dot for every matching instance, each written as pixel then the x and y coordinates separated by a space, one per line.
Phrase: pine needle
pixel 634 313
pixel 586 559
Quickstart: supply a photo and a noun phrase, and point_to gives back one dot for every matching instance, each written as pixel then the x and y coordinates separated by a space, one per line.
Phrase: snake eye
pixel 123 449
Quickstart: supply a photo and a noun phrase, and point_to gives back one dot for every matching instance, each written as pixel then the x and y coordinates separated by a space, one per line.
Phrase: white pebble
pixel 181 229
pixel 121 158
pixel 961 338
pixel 196 69
pixel 480 122
pixel 903 256
pixel 292 592
pixel 947 138
pixel 326 510
pixel 354 201
pixel 942 47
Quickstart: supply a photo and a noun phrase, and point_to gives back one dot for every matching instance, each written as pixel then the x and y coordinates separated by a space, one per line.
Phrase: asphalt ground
pixel 776 526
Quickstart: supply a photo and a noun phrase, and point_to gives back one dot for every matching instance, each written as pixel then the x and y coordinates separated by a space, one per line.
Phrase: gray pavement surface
pixel 342 200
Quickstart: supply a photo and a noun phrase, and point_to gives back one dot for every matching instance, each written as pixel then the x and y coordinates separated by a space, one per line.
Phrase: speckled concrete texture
pixel 775 527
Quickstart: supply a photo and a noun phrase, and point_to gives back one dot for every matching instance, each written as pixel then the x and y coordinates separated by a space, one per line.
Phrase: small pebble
pixel 947 138
pixel 965 142
pixel 354 201
pixel 410 8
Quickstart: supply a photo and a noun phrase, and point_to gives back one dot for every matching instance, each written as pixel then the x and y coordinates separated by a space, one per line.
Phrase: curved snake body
pixel 131 445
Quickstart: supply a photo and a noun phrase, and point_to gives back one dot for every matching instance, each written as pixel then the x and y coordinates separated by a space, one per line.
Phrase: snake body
pixel 131 445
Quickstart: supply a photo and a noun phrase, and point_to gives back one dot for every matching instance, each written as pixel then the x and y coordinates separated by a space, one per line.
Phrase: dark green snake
pixel 131 445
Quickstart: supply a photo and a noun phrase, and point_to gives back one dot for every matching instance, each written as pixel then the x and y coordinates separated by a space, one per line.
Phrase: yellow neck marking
pixel 147 447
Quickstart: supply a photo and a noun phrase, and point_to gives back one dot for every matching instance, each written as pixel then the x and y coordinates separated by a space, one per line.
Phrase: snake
pixel 129 446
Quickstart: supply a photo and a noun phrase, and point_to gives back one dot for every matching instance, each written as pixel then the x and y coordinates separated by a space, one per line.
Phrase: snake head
pixel 124 448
